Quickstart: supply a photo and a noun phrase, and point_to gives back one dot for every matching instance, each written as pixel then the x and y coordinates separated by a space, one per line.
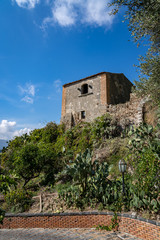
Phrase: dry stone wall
pixel 129 113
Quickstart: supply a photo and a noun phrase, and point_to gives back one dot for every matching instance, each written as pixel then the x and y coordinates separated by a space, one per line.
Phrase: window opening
pixel 84 89
pixel 83 115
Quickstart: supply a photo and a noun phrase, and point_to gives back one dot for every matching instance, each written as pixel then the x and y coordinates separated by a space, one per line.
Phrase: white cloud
pixel 63 13
pixel 90 12
pixel 29 92
pixel 27 99
pixel 97 13
pixel 27 3
pixel 28 89
pixel 70 12
pixel 58 85
pixel 8 130
pixel 22 131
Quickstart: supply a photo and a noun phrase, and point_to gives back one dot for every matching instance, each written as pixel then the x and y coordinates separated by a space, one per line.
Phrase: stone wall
pixel 76 102
pixel 129 113
pixel 103 89
pixel 119 88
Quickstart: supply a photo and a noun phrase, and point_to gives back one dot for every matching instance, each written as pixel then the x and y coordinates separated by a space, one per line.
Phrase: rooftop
pixel 97 74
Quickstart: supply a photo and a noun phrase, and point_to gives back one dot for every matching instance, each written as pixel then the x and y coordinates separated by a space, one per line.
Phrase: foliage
pixel 18 200
pixel 114 224
pixel 103 128
pixel 144 160
pixel 2 214
pixel 5 184
pixel 27 162
pixel 144 23
pixel 143 138
pixel 50 163
pixel 149 76
pixel 89 183
pixel 143 18
pixel 35 159
pixel 87 135
pixel 116 150
pixel 6 181
pixel 29 156
pixel 50 132
pixel 45 150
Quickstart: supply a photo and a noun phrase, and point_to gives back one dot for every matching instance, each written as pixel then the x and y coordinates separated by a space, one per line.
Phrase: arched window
pixel 84 88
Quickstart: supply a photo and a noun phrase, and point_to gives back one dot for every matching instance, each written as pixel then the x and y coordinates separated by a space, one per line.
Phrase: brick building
pixel 88 98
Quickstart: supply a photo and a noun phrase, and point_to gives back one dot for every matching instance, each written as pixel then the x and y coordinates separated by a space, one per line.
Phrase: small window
pixel 83 115
pixel 84 89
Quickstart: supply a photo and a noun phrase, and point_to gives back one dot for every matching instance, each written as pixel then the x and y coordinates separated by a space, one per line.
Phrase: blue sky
pixel 47 43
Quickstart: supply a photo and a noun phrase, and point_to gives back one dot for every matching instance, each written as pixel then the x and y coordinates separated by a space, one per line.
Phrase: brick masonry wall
pixel 139 227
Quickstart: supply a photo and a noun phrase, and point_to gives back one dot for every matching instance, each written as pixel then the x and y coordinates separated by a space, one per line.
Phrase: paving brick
pixel 60 234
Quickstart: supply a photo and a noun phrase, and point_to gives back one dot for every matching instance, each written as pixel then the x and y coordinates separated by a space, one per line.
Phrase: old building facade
pixel 90 97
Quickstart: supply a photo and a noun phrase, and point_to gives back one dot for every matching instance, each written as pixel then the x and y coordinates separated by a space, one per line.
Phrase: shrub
pixel 18 200
pixel 104 127
pixel 144 160
pixel 89 183
pixel 2 214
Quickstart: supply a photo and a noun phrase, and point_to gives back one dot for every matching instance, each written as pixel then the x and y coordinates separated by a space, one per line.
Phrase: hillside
pixel 78 168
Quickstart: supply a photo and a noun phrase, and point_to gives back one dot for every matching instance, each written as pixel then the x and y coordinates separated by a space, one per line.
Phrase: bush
pixel 144 160
pixel 143 184
pixel 90 185
pixel 103 128
pixel 2 214
pixel 18 200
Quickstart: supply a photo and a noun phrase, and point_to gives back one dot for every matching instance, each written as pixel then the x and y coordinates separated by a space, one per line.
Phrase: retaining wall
pixel 139 227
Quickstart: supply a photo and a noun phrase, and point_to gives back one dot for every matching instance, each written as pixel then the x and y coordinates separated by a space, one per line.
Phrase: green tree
pixel 51 161
pixel 50 132
pixel 149 76
pixel 27 162
pixel 144 23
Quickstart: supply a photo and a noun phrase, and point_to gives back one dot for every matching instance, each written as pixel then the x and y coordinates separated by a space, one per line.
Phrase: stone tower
pixel 88 98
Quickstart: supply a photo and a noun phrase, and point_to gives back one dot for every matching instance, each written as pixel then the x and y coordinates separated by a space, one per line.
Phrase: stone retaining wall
pixel 129 113
pixel 139 227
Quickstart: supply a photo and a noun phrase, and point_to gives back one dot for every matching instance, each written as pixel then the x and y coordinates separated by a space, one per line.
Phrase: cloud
pixel 8 130
pixel 27 99
pixel 58 85
pixel 29 92
pixel 70 12
pixel 22 131
pixel 63 13
pixel 28 89
pixel 26 3
pixel 96 12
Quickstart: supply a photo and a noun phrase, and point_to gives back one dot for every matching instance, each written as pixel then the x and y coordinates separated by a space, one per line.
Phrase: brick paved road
pixel 61 234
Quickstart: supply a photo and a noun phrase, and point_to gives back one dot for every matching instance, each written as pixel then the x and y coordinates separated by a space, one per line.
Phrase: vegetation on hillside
pixel 54 158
